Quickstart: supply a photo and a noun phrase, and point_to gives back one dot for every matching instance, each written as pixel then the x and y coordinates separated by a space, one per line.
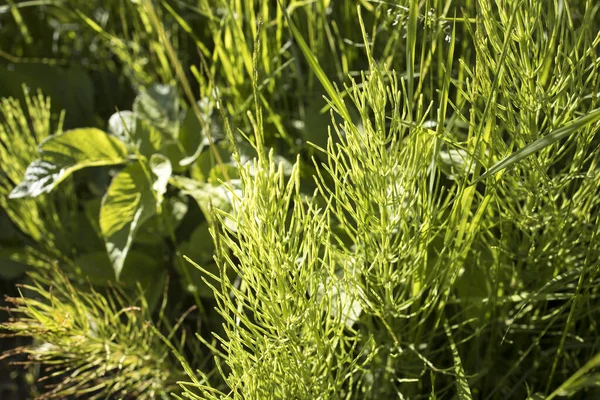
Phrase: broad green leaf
pixel 140 267
pixel 200 249
pixel 161 168
pixel 206 162
pixel 177 207
pixel 148 139
pixel 137 132
pixel 91 208
pixel 191 137
pixel 96 266
pixel 86 237
pixel 542 143
pixel 153 231
pixel 209 195
pixel 128 202
pixel 96 180
pixel 123 125
pixel 159 105
pixel 63 154
pixel 200 246
pixel 172 150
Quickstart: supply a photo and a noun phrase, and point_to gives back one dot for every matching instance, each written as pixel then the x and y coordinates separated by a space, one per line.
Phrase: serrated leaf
pixel 63 154
pixel 542 143
pixel 128 202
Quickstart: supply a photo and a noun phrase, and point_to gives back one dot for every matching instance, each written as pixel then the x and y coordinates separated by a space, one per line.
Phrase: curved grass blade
pixel 411 45
pixel 336 99
pixel 462 385
pixel 570 385
pixel 542 143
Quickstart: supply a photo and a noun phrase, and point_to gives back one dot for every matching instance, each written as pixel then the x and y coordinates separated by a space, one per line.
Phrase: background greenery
pixel 300 199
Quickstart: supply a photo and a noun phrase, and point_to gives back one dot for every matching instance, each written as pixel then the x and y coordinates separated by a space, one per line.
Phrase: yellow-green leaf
pixel 63 154
pixel 128 202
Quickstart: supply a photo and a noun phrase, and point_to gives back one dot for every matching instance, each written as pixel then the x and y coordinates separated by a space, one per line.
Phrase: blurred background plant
pixel 300 199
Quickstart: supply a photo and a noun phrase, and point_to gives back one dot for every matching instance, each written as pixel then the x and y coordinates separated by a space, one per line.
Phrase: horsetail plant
pixel 92 344
pixel 435 237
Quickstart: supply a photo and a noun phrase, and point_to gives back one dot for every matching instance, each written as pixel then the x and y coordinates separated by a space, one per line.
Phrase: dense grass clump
pixel 243 199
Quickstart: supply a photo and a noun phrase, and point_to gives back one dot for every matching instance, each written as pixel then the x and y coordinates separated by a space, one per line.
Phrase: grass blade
pixel 411 41
pixel 462 386
pixel 542 143
pixel 316 67
pixel 571 382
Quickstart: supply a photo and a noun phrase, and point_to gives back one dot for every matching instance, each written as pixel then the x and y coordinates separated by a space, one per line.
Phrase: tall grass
pixel 414 199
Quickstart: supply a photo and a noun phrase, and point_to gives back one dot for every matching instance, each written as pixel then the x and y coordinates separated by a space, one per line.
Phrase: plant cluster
pixel 303 199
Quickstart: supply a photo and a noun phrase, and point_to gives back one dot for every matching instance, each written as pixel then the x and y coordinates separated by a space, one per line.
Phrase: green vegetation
pixel 250 199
